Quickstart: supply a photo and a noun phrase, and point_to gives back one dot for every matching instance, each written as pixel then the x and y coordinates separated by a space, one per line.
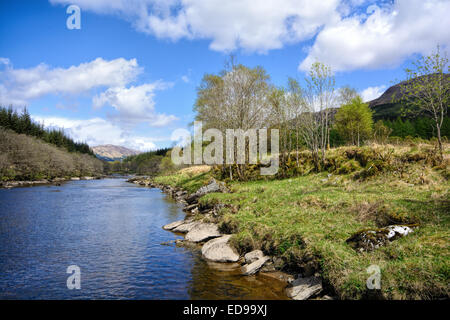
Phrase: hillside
pixel 23 157
pixel 111 152
pixel 385 108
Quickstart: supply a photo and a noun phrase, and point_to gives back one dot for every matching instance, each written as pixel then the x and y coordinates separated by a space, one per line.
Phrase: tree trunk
pixel 441 153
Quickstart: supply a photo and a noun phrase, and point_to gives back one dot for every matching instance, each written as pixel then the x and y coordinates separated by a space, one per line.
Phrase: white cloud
pixel 19 86
pixel 372 93
pixel 134 104
pixel 254 26
pixel 98 131
pixel 347 39
pixel 384 37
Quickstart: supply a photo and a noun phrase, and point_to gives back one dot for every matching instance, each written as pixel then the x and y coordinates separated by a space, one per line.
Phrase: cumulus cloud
pixel 383 37
pixel 134 104
pixel 19 86
pixel 98 131
pixel 346 37
pixel 372 93
pixel 232 24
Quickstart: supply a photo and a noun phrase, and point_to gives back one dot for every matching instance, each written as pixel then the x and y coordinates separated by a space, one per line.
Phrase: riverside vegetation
pixel 307 219
pixel 348 194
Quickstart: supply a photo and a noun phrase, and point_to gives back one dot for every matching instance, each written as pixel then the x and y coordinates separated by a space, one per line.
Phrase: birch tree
pixel 427 89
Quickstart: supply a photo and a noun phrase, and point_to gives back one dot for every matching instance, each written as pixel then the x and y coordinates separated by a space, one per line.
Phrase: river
pixel 112 231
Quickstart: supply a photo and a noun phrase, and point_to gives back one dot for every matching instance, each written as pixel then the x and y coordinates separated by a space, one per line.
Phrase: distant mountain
pixel 111 152
pixel 385 107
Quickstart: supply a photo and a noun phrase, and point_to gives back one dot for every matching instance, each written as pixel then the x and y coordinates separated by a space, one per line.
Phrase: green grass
pixel 306 220
pixel 189 182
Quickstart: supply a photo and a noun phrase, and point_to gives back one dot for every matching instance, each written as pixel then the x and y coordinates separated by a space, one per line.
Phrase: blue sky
pixel 129 75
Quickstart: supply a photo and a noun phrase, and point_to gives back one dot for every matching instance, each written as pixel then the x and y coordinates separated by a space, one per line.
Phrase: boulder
pixel 173 225
pixel 254 267
pixel 253 256
pixel 218 250
pixel 304 288
pixel 190 207
pixel 185 227
pixel 213 186
pixel 369 240
pixel 202 232
pixel 192 198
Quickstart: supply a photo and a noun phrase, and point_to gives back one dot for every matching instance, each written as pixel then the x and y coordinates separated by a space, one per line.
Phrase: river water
pixel 112 231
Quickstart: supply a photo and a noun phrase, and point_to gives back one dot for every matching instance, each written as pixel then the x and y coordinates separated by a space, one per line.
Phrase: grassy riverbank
pixel 306 221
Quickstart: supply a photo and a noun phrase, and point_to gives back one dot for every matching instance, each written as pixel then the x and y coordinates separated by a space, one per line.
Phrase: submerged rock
pixel 202 232
pixel 304 288
pixel 253 256
pixel 218 250
pixel 368 240
pixel 254 267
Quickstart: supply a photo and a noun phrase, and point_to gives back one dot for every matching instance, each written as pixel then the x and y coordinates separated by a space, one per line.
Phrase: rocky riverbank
pixel 199 229
pixel 54 181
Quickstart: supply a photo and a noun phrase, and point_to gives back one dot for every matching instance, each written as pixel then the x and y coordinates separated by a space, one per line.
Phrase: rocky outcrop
pixel 218 250
pixel 202 232
pixel 369 240
pixel 304 288
pixel 254 267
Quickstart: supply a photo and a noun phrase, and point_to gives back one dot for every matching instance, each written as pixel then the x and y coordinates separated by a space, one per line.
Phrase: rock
pixel 190 207
pixel 75 179
pixel 173 225
pixel 282 276
pixel 213 186
pixel 180 194
pixel 304 288
pixel 368 240
pixel 224 267
pixel 202 232
pixel 268 267
pixel 398 232
pixel 278 263
pixel 254 267
pixel 187 244
pixel 192 198
pixel 168 243
pixel 253 256
pixel 185 227
pixel 218 250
